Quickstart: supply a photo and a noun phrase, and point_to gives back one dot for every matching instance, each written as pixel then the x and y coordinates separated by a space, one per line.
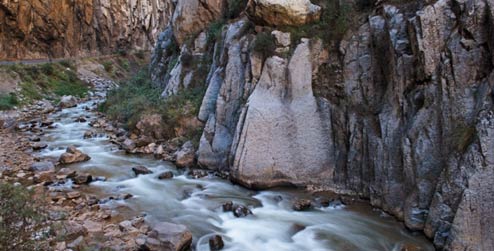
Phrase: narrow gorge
pixel 259 124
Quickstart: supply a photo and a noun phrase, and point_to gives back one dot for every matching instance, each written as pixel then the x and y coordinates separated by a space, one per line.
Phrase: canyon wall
pixel 32 29
pixel 399 111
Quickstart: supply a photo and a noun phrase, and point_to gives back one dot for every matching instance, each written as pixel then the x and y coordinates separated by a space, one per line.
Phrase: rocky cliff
pixel 399 110
pixel 31 29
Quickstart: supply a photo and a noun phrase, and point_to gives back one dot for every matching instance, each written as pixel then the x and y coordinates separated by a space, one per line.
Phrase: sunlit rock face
pixel 32 29
pixel 284 12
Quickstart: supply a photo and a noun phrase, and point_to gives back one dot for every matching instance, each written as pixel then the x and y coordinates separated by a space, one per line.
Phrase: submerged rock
pixel 166 175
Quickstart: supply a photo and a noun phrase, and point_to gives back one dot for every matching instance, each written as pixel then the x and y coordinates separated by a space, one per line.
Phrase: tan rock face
pixel 284 12
pixel 192 16
pixel 41 29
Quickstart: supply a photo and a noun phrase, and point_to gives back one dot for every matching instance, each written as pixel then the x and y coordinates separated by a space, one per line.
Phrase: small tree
pixel 21 218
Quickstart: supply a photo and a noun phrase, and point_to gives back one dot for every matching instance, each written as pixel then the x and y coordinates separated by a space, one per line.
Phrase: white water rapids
pixel 196 203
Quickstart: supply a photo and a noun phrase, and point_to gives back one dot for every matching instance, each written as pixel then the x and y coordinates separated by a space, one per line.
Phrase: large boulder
pixel 186 155
pixel 169 236
pixel 284 12
pixel 73 155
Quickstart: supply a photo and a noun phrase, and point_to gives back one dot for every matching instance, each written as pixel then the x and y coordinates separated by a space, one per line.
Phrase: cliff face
pixel 399 112
pixel 32 29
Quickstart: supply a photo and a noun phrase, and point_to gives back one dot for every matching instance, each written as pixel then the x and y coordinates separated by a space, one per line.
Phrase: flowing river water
pixel 197 203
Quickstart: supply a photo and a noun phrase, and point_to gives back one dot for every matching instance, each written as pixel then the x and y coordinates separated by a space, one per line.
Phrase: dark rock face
pixel 216 243
pixel 41 29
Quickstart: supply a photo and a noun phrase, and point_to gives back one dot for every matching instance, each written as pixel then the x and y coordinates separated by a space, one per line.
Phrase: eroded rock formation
pixel 32 29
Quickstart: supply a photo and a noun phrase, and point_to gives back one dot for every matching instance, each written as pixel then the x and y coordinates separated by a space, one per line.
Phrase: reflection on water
pixel 197 203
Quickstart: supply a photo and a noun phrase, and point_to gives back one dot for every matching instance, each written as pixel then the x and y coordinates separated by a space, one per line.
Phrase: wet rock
pixel 67 102
pixel 170 237
pixel 128 145
pixel 241 211
pixel 83 178
pixel 39 146
pixel 166 175
pixel 125 196
pixel 90 134
pixel 73 155
pixel 301 205
pixel 42 166
pixel 66 173
pixel 228 206
pixel 35 139
pixel 138 170
pixel 216 243
pixel 81 119
pixel 46 123
pixel 336 203
pixel 198 173
pixel 185 157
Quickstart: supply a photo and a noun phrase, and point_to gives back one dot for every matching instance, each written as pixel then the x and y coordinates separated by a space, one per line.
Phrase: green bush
pixel 214 31
pixel 264 44
pixel 21 216
pixel 8 101
pixel 235 7
pixel 108 65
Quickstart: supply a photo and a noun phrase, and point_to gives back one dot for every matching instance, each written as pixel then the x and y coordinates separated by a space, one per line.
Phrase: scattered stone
pixel 216 243
pixel 42 166
pixel 138 170
pixel 73 195
pixel 35 139
pixel 169 236
pixel 301 205
pixel 72 155
pixel 166 175
pixel 128 145
pixel 71 230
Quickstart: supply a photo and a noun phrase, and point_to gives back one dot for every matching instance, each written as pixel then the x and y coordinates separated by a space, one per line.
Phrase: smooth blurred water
pixel 197 203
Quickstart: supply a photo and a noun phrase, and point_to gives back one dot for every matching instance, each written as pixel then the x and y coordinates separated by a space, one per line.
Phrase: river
pixel 197 203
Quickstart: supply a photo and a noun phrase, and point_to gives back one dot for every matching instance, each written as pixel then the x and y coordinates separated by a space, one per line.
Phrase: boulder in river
pixel 170 237
pixel 138 170
pixel 241 211
pixel 166 175
pixel 67 102
pixel 186 155
pixel 73 155
pixel 301 205
pixel 216 243
pixel 90 134
pixel 83 178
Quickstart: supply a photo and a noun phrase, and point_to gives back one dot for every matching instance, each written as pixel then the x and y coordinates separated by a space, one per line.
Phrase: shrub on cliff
pixel 137 97
pixel 21 219
pixel 264 44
